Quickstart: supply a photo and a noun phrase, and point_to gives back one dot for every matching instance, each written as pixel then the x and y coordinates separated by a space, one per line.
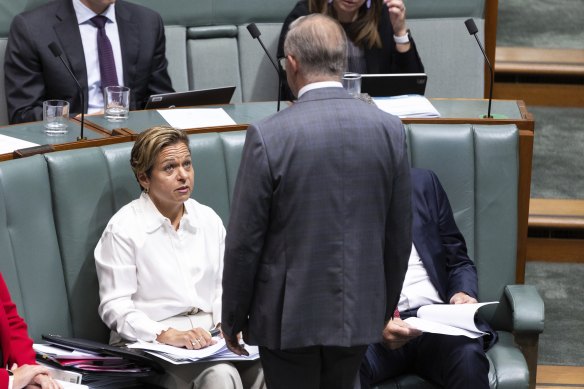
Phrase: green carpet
pixel 541 23
pixel 561 287
pixel 558 163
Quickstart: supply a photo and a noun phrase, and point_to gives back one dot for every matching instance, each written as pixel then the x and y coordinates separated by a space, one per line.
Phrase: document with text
pixel 407 106
pixel 449 319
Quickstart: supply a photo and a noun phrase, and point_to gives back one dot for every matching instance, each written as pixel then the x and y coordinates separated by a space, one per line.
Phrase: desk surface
pixel 34 132
pixel 246 113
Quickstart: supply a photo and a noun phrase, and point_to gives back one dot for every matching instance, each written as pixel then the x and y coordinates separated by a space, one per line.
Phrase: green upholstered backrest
pixel 30 259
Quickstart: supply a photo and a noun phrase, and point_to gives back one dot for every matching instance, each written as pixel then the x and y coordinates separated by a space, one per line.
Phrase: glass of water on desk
pixel 116 100
pixel 55 116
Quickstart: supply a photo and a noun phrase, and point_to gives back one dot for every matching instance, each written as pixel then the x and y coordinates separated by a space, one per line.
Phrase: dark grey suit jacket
pixel 33 74
pixel 320 228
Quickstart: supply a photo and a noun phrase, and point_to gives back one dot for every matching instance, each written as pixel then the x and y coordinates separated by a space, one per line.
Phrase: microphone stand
pixel 255 34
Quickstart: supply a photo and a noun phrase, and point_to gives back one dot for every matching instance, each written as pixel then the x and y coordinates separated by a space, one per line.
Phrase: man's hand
pixel 234 345
pixel 397 333
pixel 462 298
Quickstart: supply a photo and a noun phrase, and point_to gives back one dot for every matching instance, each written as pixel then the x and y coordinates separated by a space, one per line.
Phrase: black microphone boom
pixel 255 34
pixel 57 53
pixel 472 30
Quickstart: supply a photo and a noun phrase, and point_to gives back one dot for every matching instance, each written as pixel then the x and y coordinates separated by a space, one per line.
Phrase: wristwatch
pixel 10 373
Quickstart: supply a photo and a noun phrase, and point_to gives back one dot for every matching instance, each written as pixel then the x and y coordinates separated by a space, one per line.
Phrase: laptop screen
pixel 192 98
pixel 393 84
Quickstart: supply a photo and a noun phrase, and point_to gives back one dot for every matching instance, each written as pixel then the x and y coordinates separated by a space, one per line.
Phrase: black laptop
pixel 213 96
pixel 396 84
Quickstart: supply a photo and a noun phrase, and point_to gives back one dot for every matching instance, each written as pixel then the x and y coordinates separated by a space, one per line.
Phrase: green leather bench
pixel 208 44
pixel 54 207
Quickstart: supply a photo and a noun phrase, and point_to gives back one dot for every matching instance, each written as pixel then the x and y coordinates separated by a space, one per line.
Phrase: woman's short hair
pixel 149 144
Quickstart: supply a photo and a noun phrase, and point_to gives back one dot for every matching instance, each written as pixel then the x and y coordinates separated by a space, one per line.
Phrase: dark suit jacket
pixel 320 227
pixel 15 344
pixel 440 243
pixel 34 74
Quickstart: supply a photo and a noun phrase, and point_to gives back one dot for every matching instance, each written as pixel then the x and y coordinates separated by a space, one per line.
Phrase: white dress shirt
pixel 89 39
pixel 417 290
pixel 318 85
pixel 149 272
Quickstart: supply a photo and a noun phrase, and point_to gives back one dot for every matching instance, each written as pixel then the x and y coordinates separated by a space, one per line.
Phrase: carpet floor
pixel 561 287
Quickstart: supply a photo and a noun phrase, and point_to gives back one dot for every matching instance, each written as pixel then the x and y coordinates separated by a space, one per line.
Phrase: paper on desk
pixel 407 106
pixel 448 319
pixel 62 353
pixel 8 144
pixel 185 118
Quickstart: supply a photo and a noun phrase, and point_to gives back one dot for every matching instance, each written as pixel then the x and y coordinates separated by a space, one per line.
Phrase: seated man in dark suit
pixel 104 42
pixel 439 271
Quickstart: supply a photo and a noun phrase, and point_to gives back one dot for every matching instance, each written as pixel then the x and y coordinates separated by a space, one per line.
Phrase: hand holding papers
pixel 407 106
pixel 448 319
pixel 177 355
pixel 196 117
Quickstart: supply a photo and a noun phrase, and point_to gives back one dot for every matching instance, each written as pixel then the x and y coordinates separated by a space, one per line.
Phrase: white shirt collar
pixel 154 219
pixel 318 85
pixel 83 13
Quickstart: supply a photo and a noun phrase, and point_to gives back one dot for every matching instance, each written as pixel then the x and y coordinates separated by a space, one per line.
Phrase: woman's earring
pixel 368 3
pixel 146 190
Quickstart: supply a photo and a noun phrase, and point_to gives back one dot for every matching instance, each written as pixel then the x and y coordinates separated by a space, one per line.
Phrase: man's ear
pixel 292 64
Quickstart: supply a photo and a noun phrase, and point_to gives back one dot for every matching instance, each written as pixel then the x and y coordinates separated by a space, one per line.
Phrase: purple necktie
pixel 107 64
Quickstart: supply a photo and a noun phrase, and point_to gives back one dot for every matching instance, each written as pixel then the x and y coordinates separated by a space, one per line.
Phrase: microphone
pixel 255 34
pixel 57 53
pixel 472 30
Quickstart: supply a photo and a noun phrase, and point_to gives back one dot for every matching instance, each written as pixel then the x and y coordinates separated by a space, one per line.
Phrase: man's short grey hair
pixel 319 44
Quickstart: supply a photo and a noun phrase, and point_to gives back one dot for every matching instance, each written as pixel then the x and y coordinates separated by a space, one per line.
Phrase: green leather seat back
pixel 478 167
pixel 85 184
pixel 30 260
pixel 210 186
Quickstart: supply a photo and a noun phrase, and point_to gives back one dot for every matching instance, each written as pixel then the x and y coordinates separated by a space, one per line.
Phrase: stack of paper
pixel 97 370
pixel 186 118
pixel 179 355
pixel 407 106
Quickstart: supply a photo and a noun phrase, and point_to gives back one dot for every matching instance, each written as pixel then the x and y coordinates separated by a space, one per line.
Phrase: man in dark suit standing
pixel 439 271
pixel 33 74
pixel 320 226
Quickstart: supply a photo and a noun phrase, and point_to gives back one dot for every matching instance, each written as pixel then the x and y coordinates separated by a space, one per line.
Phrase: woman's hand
pixel 194 339
pixel 32 375
pixel 397 16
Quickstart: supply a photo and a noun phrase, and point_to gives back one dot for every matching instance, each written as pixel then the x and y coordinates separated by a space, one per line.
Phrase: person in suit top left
pixel 19 368
pixel 33 74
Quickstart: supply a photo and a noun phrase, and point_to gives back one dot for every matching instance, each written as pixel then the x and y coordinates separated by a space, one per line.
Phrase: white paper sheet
pixel 185 118
pixel 179 355
pixel 8 144
pixel 407 106
pixel 448 319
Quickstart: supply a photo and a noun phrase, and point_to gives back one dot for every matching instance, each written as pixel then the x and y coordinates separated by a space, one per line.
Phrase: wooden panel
pixel 566 376
pixel 555 250
pixel 558 95
pixel 556 213
pixel 528 60
pixel 491 15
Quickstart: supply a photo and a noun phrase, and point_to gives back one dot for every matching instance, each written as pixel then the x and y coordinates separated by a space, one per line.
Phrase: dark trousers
pixel 316 367
pixel 449 361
